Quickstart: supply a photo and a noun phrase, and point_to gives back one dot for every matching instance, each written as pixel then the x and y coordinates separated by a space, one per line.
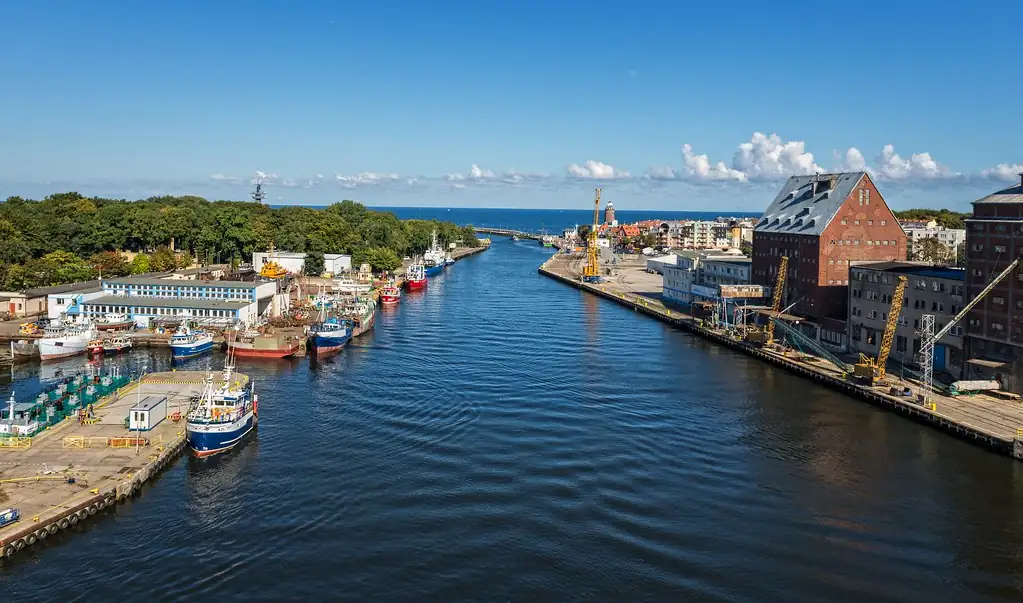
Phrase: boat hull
pixel 434 270
pixel 326 344
pixel 188 351
pixel 49 350
pixel 205 439
pixel 117 350
pixel 242 351
pixel 115 326
pixel 414 285
pixel 362 327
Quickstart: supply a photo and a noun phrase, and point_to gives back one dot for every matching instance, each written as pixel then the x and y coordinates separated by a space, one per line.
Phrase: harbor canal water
pixel 503 437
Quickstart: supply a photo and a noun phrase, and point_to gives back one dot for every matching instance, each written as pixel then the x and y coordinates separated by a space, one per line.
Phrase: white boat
pixel 347 285
pixel 112 322
pixel 61 340
pixel 434 256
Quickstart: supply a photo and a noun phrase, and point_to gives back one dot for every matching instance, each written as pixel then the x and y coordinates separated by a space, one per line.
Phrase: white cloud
pixel 595 170
pixel 365 179
pixel 699 167
pixel 226 179
pixel 475 173
pixel 264 178
pixel 920 166
pixel 769 157
pixel 852 161
pixel 1007 172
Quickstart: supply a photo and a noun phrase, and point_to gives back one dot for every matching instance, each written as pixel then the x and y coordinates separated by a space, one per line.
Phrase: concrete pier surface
pixel 106 462
pixel 994 423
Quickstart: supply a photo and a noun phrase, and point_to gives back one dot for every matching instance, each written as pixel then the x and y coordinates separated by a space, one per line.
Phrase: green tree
pixel 382 259
pixel 932 250
pixel 163 260
pixel 314 265
pixel 583 232
pixel 747 248
pixel 109 263
pixel 59 268
pixel 469 238
pixel 140 264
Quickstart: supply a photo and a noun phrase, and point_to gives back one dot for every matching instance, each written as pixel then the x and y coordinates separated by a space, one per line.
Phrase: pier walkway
pixel 74 470
pixel 993 423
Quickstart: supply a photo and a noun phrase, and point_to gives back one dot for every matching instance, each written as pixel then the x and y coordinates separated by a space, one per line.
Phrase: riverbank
pixel 991 423
pixel 74 470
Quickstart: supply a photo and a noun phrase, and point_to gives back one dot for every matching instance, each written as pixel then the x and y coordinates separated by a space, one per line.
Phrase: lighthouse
pixel 609 214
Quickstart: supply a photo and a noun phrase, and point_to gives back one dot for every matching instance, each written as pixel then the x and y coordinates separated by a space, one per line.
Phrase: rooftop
pixel 82 287
pixel 166 302
pixel 806 204
pixel 1012 194
pixel 136 280
pixel 729 260
pixel 914 269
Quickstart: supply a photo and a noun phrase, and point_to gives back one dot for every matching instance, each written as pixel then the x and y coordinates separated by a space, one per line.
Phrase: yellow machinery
pixel 591 272
pixel 872 370
pixel 272 269
pixel 766 337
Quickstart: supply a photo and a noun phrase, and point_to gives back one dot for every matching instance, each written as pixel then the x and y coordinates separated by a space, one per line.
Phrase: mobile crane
pixel 872 370
pixel 591 272
pixel 766 337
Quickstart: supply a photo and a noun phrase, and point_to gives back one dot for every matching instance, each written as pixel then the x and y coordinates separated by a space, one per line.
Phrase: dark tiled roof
pixel 798 210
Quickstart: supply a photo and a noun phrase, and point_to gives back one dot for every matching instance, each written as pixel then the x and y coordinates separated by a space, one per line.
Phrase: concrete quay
pixel 989 422
pixel 74 470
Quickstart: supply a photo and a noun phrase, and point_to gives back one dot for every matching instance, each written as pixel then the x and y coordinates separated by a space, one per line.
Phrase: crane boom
pixel 966 309
pixel 889 328
pixel 779 288
pixel 591 272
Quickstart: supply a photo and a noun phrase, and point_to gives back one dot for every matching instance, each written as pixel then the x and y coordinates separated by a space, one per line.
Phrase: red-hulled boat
pixel 390 295
pixel 253 344
pixel 96 346
pixel 415 277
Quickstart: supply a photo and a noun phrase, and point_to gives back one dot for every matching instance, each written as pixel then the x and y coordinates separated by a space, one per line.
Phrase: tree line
pixel 68 237
pixel 943 217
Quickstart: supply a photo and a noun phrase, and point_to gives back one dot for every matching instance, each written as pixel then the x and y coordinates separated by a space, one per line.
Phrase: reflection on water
pixel 501 437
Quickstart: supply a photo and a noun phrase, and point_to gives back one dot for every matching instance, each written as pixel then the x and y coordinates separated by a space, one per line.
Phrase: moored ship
pixel 63 340
pixel 187 342
pixel 362 313
pixel 415 276
pixel 222 416
pixel 115 322
pixel 434 259
pixel 329 335
pixel 390 294
pixel 116 345
pixel 253 344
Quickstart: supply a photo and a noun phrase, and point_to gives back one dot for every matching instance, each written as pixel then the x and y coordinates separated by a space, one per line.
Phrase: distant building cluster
pixel 846 254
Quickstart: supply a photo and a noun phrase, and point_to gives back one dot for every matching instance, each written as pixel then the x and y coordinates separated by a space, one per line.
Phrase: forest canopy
pixel 68 237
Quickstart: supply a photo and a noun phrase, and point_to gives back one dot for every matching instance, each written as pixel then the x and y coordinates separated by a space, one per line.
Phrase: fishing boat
pixel 415 276
pixel 115 322
pixel 515 237
pixel 24 349
pixel 349 286
pixel 329 335
pixel 448 260
pixel 116 345
pixel 434 259
pixel 253 344
pixel 362 313
pixel 390 294
pixel 61 340
pixel 222 416
pixel 96 346
pixel 187 342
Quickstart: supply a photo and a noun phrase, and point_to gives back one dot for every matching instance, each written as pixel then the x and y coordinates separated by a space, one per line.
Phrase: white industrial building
pixel 706 269
pixel 294 263
pixel 149 300
pixel 658 264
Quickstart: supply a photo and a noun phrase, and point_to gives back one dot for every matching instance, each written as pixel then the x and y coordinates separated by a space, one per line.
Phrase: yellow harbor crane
pixel 766 336
pixel 873 370
pixel 591 272
pixel 779 293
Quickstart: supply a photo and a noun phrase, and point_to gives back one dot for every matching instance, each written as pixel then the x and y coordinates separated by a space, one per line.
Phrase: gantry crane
pixel 591 272
pixel 872 370
pixel 779 291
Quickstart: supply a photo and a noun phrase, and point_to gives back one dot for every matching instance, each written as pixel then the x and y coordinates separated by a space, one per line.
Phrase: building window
pixel 856 242
pixel 900 343
pixel 856 222
pixel 870 222
pixel 978 247
pixel 998 301
pixel 999 248
pixel 997 326
pixel 870 242
pixel 845 221
pixel 884 222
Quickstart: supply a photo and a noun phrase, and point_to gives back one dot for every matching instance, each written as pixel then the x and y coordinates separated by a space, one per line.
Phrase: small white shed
pixel 147 413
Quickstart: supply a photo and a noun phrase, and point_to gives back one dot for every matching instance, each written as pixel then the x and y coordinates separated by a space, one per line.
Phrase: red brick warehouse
pixel 822 223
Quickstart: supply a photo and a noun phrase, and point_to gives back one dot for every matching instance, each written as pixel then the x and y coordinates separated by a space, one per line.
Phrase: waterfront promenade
pixel 993 423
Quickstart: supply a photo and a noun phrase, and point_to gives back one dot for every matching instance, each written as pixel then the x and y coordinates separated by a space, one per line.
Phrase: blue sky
pixel 509 105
